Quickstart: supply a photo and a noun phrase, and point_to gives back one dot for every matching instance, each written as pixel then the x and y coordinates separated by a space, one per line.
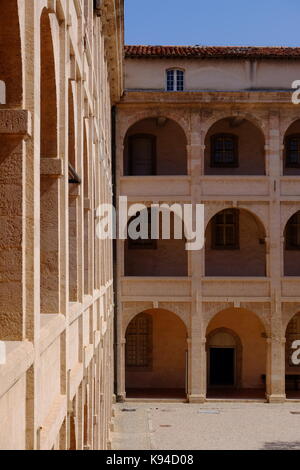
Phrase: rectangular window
pixel 180 79
pixel 225 230
pixel 139 342
pixel 175 80
pixel 170 80
pixel 224 151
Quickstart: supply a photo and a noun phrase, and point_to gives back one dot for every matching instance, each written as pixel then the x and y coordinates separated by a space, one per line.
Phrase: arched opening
pixel 155 358
pixel 88 239
pixel 74 181
pixel 292 246
pixel 291 149
pixel 49 196
pixel 292 358
pixel 155 257
pixel 48 91
pixel 235 245
pixel 234 146
pixel 10 53
pixel 233 369
pixel 224 358
pixel 155 146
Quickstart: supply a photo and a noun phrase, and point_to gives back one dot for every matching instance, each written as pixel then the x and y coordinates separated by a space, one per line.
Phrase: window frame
pixel 175 70
pixel 213 162
pixel 288 244
pixel 236 224
pixel 286 151
pixel 153 139
pixel 149 358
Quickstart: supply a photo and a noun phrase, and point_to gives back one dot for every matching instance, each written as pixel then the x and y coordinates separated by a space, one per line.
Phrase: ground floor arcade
pixel 163 354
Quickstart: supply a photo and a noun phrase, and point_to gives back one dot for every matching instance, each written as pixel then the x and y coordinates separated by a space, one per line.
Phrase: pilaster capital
pixel 273 339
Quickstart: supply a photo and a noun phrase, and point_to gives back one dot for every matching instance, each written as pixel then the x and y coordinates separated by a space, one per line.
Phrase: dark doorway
pixel 222 362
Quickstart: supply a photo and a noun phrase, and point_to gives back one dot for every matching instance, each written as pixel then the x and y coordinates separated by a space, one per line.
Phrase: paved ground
pixel 229 426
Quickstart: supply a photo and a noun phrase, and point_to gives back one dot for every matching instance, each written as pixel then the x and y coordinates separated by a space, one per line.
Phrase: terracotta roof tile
pixel 205 52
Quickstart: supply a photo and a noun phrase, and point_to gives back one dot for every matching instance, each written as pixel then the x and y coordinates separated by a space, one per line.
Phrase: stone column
pixel 197 391
pixel 275 386
pixel 276 350
pixel 121 390
pixel 14 125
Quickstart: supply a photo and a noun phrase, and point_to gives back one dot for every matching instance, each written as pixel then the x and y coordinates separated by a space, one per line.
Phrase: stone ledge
pixel 88 355
pixel 49 430
pixel 15 122
pixel 52 167
pixel 75 378
pixel 52 325
pixel 19 358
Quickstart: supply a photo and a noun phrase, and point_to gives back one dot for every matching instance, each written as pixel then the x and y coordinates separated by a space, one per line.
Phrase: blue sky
pixel 213 22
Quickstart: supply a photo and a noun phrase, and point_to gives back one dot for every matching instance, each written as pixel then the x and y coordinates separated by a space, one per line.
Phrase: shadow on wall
pixel 247 335
pixel 156 344
pixel 235 245
pixel 155 146
pixel 292 246
pixel 156 257
pixel 243 153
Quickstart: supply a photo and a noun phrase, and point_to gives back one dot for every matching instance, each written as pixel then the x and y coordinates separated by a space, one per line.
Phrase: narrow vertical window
pixel 175 80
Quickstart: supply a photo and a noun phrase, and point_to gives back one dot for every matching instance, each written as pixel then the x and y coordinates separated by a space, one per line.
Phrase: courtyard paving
pixel 208 426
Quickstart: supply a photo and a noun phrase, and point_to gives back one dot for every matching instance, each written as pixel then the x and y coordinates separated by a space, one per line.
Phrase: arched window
pixel 142 154
pixel 139 342
pixel 224 151
pixel 175 80
pixel 292 151
pixel 292 234
pixel 225 230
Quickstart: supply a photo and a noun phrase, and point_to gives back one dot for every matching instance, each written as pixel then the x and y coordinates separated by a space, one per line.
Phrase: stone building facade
pixel 60 72
pixel 211 125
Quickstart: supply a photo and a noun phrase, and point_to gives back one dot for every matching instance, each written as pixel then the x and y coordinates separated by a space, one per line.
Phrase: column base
pixel 109 445
pixel 276 398
pixel 193 398
pixel 121 397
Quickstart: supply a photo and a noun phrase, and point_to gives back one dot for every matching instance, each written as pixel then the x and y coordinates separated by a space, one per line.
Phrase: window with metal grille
pixel 139 342
pixel 175 80
pixel 292 151
pixel 292 234
pixel 224 150
pixel 225 230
